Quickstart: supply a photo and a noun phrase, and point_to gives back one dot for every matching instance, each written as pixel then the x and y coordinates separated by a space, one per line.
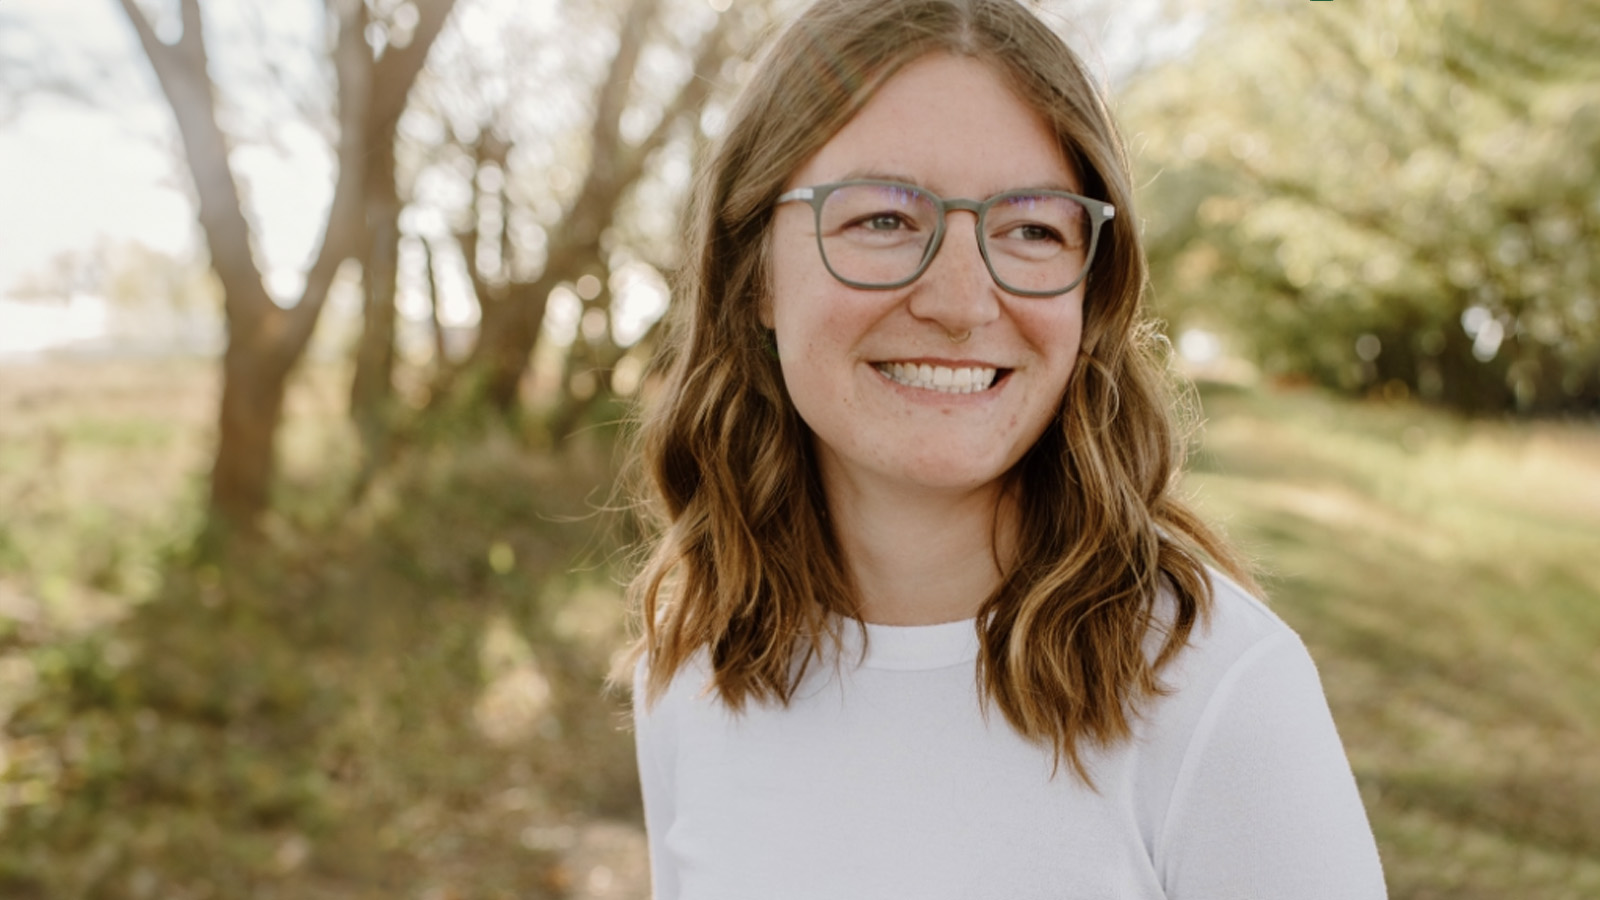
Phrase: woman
pixel 923 618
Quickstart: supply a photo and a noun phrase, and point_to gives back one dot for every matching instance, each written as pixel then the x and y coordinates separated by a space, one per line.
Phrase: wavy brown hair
pixel 744 564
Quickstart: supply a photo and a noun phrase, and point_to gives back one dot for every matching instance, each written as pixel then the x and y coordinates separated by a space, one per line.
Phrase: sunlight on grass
pixel 1445 575
pixel 99 476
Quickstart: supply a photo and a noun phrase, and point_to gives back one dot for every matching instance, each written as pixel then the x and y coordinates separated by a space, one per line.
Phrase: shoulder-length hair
pixel 745 565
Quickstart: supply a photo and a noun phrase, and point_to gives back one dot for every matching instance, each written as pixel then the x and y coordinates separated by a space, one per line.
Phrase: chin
pixel 955 476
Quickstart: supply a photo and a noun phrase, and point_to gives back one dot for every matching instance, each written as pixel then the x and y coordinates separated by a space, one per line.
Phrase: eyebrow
pixel 884 175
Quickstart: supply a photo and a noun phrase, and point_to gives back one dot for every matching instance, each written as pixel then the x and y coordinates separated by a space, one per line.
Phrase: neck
pixel 919 557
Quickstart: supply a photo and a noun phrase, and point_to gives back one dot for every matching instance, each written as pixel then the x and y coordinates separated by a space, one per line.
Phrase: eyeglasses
pixel 883 234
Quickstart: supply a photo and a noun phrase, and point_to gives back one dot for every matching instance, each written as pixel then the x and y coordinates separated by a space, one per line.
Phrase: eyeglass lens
pixel 878 235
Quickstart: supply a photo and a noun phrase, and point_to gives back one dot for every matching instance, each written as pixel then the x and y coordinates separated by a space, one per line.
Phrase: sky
pixel 74 173
pixel 71 172
pixel 80 174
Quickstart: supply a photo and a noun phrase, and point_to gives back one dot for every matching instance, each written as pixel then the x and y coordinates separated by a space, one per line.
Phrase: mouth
pixel 944 379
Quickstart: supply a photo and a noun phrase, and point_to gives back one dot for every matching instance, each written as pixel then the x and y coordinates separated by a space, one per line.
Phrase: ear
pixel 764 311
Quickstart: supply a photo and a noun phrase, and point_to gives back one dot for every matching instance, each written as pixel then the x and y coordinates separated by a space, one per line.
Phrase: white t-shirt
pixel 889 780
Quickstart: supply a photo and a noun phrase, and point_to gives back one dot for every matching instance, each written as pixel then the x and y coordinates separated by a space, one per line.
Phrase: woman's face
pixel 854 360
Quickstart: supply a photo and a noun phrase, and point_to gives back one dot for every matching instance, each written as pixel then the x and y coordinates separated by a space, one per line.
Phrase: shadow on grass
pixel 1557 811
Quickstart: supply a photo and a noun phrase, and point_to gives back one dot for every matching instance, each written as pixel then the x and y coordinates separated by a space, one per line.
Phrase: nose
pixel 957 293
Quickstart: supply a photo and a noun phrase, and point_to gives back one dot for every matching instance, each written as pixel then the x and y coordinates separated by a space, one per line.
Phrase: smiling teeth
pixel 939 378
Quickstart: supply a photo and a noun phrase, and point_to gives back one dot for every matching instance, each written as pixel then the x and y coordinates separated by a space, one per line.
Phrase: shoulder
pixel 1234 657
pixel 690 683
pixel 689 701
pixel 1238 656
pixel 1238 618
pixel 1240 631
pixel 1249 784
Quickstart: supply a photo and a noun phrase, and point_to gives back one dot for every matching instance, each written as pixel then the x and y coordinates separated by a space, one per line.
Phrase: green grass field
pixel 1446 575
pixel 404 703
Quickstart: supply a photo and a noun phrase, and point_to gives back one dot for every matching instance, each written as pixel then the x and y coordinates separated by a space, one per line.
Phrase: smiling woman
pixel 841 346
pixel 912 457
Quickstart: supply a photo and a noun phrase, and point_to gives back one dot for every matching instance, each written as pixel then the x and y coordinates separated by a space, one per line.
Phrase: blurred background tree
pixel 371 79
pixel 1385 196
pixel 399 690
pixel 547 170
pixel 520 171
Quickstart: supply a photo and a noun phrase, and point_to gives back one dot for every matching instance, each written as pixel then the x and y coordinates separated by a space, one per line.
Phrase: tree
pixel 545 178
pixel 264 340
pixel 1387 196
pixel 371 387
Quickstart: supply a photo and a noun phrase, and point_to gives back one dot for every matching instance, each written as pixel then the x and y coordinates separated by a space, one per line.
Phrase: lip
pixel 940 361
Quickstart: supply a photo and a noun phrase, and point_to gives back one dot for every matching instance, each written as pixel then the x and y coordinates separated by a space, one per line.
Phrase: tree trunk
pixel 372 389
pixel 507 335
pixel 252 406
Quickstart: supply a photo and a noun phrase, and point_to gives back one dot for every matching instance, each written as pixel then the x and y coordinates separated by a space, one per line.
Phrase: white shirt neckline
pixel 909 648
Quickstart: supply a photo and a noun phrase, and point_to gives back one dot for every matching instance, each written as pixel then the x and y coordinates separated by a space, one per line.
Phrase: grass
pixel 98 471
pixel 399 700
pixel 1444 574
pixel 403 700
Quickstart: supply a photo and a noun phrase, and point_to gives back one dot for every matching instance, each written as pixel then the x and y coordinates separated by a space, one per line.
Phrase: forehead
pixel 952 124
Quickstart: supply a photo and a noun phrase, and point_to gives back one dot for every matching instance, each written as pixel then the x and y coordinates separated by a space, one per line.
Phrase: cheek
pixel 780 276
pixel 808 309
pixel 1057 331
pixel 787 278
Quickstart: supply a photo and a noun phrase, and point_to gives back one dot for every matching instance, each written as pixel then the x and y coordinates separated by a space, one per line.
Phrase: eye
pixel 1033 232
pixel 882 221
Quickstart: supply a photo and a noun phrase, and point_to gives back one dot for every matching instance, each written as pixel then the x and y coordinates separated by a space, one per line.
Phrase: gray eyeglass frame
pixel 1099 212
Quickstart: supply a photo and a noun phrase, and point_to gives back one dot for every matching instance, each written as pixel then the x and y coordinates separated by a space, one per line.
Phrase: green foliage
pixel 405 701
pixel 1387 195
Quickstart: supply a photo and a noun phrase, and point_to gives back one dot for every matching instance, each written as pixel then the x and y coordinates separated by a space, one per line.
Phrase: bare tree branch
pixel 305 103
pixel 341 238
pixel 612 97
pixel 614 168
pixel 441 350
pixel 180 69
pixel 510 327
pixel 714 50
pixel 189 10
pixel 397 69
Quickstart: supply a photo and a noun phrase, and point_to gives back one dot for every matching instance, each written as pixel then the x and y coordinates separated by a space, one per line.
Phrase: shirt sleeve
pixel 1265 805
pixel 652 743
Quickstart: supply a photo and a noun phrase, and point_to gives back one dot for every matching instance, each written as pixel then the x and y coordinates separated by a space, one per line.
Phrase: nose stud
pixel 959 338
